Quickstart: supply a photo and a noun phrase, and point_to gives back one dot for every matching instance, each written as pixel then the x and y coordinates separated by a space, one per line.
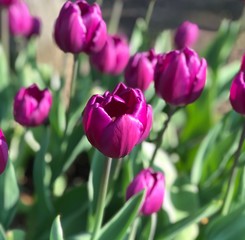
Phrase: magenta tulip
pixel 32 106
pixel 113 57
pixel 186 35
pixel 237 91
pixel 35 27
pixel 80 28
pixel 6 3
pixel 139 72
pixel 115 122
pixel 3 152
pixel 180 76
pixel 154 184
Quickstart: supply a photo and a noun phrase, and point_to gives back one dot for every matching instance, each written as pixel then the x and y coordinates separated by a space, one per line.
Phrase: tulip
pixel 6 3
pixel 35 27
pixel 154 185
pixel 186 35
pixel 180 76
pixel 237 90
pixel 80 28
pixel 113 57
pixel 139 72
pixel 32 106
pixel 115 122
pixel 3 152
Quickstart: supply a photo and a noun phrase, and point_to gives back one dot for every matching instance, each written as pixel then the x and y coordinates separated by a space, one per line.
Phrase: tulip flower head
pixel 32 106
pixel 186 35
pixel 237 90
pixel 180 76
pixel 139 72
pixel 154 184
pixel 3 152
pixel 113 57
pixel 115 122
pixel 80 28
pixel 6 3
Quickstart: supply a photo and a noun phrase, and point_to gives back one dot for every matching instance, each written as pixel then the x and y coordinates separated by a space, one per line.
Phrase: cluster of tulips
pixel 117 121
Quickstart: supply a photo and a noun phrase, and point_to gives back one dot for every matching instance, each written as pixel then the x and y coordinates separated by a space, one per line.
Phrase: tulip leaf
pixel 117 227
pixel 56 230
pixel 173 229
pixel 82 236
pixel 3 69
pixel 2 234
pixel 16 235
pixel 9 195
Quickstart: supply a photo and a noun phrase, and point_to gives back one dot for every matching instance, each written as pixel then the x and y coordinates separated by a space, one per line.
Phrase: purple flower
pixel 186 35
pixel 80 28
pixel 35 27
pixel 3 152
pixel 113 57
pixel 7 3
pixel 139 72
pixel 154 184
pixel 32 106
pixel 237 91
pixel 115 122
pixel 180 76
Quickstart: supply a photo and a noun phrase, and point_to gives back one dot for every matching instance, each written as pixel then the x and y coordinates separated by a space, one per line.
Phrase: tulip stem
pixel 231 183
pixel 149 12
pixel 153 226
pixel 159 138
pixel 74 77
pixel 115 16
pixel 133 230
pixel 102 198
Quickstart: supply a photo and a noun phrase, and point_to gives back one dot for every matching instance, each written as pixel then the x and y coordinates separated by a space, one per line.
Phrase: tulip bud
pixel 186 35
pixel 80 28
pixel 20 19
pixel 154 184
pixel 115 122
pixel 180 76
pixel 139 72
pixel 6 3
pixel 3 152
pixel 237 91
pixel 35 27
pixel 113 57
pixel 32 106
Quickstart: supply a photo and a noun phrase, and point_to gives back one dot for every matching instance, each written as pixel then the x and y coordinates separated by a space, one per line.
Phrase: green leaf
pixel 9 195
pixel 117 227
pixel 16 235
pixel 173 229
pixel 56 230
pixel 82 236
pixel 2 234
pixel 4 76
pixel 163 42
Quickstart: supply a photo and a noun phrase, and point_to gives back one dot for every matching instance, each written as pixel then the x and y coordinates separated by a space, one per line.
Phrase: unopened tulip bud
pixel 154 184
pixel 139 72
pixel 32 106
pixel 80 28
pixel 180 76
pixel 113 57
pixel 3 152
pixel 115 122
pixel 186 35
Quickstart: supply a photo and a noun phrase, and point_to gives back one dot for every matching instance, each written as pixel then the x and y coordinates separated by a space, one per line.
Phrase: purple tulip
pixel 113 57
pixel 6 3
pixel 139 72
pixel 3 152
pixel 237 91
pixel 115 122
pixel 20 19
pixel 154 184
pixel 35 27
pixel 32 106
pixel 186 35
pixel 180 76
pixel 80 28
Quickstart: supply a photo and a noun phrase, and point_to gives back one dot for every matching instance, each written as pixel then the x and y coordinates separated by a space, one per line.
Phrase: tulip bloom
pixel 7 3
pixel 115 122
pixel 237 90
pixel 186 35
pixel 139 72
pixel 32 106
pixel 113 57
pixel 154 184
pixel 3 152
pixel 180 76
pixel 80 28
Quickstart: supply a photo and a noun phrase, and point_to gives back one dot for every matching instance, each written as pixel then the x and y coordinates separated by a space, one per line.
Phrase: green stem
pixel 115 16
pixel 159 138
pixel 153 226
pixel 231 183
pixel 102 198
pixel 133 230
pixel 149 12
pixel 5 33
pixel 117 169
